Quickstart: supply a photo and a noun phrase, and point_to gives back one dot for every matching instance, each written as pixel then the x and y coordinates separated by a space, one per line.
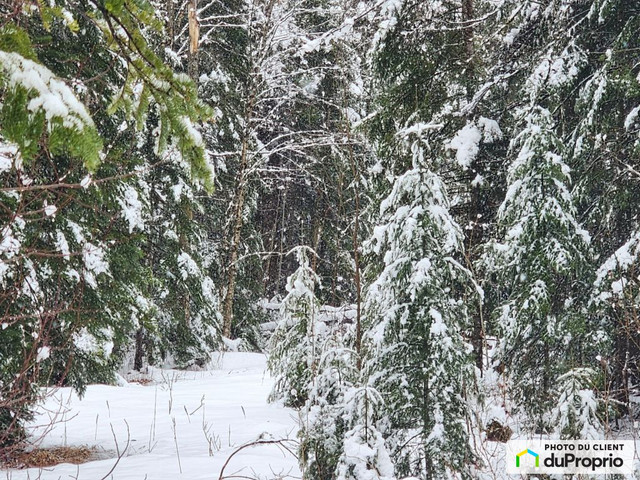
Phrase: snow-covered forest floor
pixel 184 424
pixel 173 424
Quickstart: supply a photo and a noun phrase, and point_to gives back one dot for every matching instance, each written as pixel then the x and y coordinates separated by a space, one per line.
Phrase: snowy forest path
pixel 183 425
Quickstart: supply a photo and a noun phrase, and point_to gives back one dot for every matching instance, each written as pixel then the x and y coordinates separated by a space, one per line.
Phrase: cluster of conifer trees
pixel 463 172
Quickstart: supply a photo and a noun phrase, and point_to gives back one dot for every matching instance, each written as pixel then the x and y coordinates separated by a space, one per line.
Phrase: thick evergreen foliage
pixel 542 264
pixel 458 180
pixel 73 270
pixel 418 358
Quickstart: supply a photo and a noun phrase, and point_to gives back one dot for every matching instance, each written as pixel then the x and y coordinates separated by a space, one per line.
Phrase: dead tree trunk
pixel 194 38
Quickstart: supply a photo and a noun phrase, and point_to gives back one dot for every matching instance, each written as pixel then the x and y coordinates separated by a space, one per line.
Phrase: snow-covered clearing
pixel 219 409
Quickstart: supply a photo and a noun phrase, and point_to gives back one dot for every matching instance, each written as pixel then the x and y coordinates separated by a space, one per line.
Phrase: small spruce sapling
pixel 293 359
pixel 323 423
pixel 576 413
pixel 364 453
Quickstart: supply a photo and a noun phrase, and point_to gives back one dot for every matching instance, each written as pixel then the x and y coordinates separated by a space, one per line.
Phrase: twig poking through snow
pixel 175 440
pixel 281 443
pixel 120 454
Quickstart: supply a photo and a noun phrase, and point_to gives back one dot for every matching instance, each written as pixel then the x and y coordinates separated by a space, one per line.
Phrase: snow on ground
pixel 218 409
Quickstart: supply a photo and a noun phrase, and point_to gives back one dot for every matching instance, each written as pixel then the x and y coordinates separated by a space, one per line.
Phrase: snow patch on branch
pixel 53 95
pixel 466 143
pixel 8 152
pixel 630 119
pixel 194 134
pixel 132 208
pixel 188 266
pixel 94 262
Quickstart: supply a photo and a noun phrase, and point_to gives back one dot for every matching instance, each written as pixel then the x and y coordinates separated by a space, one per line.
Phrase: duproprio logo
pixel 525 452
pixel 542 456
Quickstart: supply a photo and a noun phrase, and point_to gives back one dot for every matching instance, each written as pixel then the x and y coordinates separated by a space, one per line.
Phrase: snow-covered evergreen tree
pixel 323 424
pixel 541 261
pixel 606 144
pixel 293 359
pixel 576 414
pixel 181 321
pixel 614 300
pixel 544 58
pixel 364 450
pixel 418 358
pixel 71 264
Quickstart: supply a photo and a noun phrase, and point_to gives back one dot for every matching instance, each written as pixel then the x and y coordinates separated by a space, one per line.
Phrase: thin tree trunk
pixel 232 268
pixel 474 239
pixel 281 240
pixel 241 191
pixel 171 24
pixel 355 242
pixel 355 236
pixel 475 234
pixel 139 355
pixel 467 18
pixel 267 279
pixel 315 242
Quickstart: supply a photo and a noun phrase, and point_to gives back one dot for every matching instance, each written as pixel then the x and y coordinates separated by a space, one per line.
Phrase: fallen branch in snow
pixel 281 443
